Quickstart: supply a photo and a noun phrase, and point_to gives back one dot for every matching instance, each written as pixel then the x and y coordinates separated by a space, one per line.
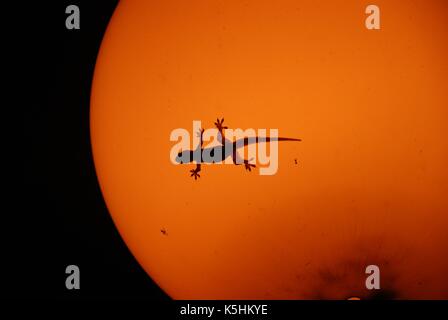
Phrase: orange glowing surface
pixel 367 185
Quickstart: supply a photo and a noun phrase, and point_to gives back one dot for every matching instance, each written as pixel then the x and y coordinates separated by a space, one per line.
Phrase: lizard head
pixel 184 156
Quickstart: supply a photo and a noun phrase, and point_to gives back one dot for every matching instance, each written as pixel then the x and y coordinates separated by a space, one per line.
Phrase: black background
pixel 60 217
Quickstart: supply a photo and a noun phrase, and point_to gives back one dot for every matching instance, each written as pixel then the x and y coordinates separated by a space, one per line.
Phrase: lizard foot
pixel 195 173
pixel 219 125
pixel 248 166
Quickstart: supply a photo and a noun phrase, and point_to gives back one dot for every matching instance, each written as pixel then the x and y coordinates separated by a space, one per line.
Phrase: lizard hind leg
pixel 248 165
pixel 237 160
pixel 219 126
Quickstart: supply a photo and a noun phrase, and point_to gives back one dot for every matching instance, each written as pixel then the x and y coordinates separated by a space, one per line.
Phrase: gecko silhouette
pixel 226 149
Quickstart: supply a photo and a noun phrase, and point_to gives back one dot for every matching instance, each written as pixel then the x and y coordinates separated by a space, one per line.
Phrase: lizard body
pixel 225 150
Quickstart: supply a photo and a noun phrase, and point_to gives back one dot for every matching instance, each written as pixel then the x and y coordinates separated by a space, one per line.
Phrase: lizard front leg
pixel 220 127
pixel 200 135
pixel 195 172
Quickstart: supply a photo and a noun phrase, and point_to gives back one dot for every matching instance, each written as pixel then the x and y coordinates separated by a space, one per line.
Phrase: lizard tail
pixel 251 140
pixel 287 139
